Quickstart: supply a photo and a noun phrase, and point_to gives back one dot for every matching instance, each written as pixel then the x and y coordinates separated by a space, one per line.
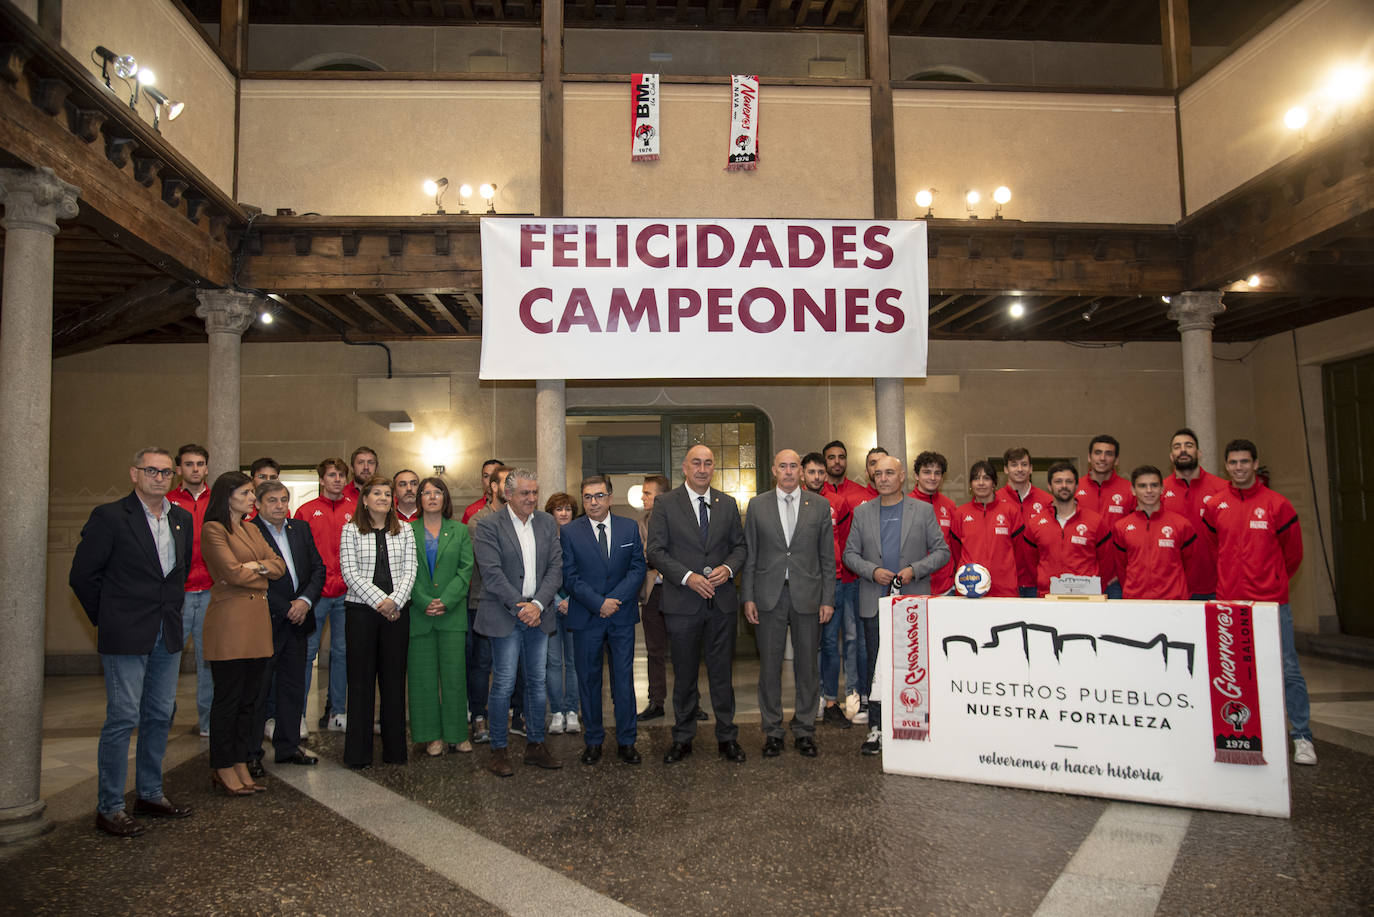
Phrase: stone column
pixel 34 200
pixel 227 314
pixel 551 437
pixel 890 400
pixel 1194 312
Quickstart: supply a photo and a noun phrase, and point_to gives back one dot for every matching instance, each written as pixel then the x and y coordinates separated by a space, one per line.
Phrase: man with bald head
pixel 894 544
pixel 789 582
pixel 696 542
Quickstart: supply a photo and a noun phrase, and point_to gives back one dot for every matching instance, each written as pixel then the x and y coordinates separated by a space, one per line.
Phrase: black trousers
pixel 690 637
pixel 231 712
pixel 377 651
pixel 655 644
pixel 283 675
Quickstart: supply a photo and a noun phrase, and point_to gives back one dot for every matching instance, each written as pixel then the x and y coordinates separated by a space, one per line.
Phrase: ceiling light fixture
pixel 1017 309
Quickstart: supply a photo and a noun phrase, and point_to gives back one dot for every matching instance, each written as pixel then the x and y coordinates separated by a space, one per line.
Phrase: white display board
pixel 1113 699
pixel 570 298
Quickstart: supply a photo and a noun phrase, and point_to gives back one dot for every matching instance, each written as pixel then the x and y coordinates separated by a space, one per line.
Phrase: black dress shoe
pixel 255 768
pixel 701 715
pixel 731 751
pixel 299 757
pixel 806 745
pixel 628 753
pixel 161 808
pixel 772 746
pixel 676 752
pixel 591 754
pixel 651 712
pixel 120 824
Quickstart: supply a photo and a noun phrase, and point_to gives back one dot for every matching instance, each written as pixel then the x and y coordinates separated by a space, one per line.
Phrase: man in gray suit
pixel 894 545
pixel 789 581
pixel 697 543
pixel 518 552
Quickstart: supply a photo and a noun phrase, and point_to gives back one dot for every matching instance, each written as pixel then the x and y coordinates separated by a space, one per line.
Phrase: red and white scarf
pixel 643 116
pixel 744 124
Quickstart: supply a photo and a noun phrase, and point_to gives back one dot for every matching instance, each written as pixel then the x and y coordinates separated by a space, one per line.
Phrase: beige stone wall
pixel 813 157
pixel 365 148
pixel 1232 118
pixel 300 405
pixel 160 38
pixel 1073 158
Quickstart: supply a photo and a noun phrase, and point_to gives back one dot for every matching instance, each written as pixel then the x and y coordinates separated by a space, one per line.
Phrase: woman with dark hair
pixel 437 670
pixel 378 561
pixel 561 671
pixel 986 529
pixel 238 626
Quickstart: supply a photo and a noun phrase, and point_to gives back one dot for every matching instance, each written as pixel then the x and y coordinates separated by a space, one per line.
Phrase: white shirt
pixel 782 509
pixel 524 533
pixel 162 534
pixel 596 533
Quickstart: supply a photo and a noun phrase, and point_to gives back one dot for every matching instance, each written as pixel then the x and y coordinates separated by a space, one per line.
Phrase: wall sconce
pixel 145 77
pixel 160 102
pixel 124 65
pixel 926 198
pixel 464 192
pixel 1328 104
pixel 437 189
pixel 971 200
pixel 1000 197
pixel 439 470
pixel 488 194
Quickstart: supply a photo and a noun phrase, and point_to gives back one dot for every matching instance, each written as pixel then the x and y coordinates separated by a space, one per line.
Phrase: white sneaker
pixel 861 715
pixel 205 733
pixel 572 725
pixel 268 728
pixel 851 704
pixel 338 722
pixel 1303 752
pixel 556 725
pixel 305 730
pixel 874 743
pixel 820 708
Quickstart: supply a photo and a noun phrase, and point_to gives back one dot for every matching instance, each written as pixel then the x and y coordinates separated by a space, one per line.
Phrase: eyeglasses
pixel 152 472
pixel 588 498
pixel 431 494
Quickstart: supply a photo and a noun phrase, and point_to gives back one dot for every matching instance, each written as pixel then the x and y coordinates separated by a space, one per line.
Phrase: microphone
pixel 711 602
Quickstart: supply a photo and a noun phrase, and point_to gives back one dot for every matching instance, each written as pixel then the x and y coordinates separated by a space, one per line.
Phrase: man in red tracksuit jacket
pixel 1031 501
pixel 1259 547
pixel 326 515
pixel 1108 494
pixel 986 528
pixel 1185 492
pixel 1066 537
pixel 1155 544
pixel 930 468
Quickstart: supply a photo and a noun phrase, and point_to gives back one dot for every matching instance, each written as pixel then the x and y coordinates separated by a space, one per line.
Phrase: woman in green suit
pixel 438 625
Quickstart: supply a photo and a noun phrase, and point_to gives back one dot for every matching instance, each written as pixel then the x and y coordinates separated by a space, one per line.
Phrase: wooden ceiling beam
pixel 404 308
pixel 918 18
pixel 371 266
pixel 349 322
pixel 960 313
pixel 362 303
pixel 309 316
pixel 436 302
pixel 143 308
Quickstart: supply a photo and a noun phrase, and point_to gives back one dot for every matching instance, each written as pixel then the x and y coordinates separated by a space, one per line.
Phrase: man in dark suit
pixel 603 567
pixel 697 542
pixel 789 581
pixel 129 573
pixel 291 600
pixel 521 560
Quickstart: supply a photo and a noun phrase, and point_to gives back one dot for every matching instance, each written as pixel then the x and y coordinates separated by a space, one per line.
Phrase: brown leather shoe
pixel 538 755
pixel 120 824
pixel 162 808
pixel 499 763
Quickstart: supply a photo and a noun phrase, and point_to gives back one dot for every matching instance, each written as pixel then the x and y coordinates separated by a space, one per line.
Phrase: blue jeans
pixel 846 603
pixel 561 677
pixel 333 611
pixel 1027 592
pixel 857 671
pixel 479 669
pixel 1113 590
pixel 1294 685
pixel 193 626
pixel 529 645
pixel 139 691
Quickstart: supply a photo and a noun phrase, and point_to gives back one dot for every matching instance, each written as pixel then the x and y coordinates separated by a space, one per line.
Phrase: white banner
pixel 702 298
pixel 643 117
pixel 1102 699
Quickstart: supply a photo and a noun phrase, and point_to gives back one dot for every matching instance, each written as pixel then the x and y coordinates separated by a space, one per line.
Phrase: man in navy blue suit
pixel 603 567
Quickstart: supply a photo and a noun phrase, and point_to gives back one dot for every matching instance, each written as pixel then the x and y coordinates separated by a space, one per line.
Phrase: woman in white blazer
pixel 378 561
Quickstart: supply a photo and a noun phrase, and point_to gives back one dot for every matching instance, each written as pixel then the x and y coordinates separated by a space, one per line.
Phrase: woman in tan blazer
pixel 238 626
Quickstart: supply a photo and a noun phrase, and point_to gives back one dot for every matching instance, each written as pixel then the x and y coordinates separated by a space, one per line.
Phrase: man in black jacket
pixel 128 573
pixel 291 600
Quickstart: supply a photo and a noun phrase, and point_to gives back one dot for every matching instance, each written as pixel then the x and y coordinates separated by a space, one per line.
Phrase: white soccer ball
pixel 972 581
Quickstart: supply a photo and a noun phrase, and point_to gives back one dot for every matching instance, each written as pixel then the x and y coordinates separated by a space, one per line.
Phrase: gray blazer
pixel 675 548
pixel 808 563
pixel 502 563
pixel 923 549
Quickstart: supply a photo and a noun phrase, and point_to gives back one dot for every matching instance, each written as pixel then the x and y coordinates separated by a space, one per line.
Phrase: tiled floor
pixel 782 836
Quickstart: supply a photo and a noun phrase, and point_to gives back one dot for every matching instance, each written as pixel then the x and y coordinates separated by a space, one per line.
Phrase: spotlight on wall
pixel 464 192
pixel 1017 309
pixel 436 188
pixel 265 317
pixel 1000 197
pixel 1252 281
pixel 161 103
pixel 1345 84
pixel 925 198
pixel 1089 312
pixel 971 199
pixel 488 194
pixel 124 64
pixel 1295 119
pixel 145 77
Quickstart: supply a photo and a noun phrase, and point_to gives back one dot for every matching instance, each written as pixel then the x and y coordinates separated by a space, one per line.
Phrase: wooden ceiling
pixel 1217 23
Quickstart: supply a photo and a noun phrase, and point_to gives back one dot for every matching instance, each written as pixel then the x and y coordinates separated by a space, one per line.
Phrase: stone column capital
pixel 36 199
pixel 1195 310
pixel 227 311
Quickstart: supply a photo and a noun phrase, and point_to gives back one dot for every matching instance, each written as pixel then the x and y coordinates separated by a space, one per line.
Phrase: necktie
pixel 705 519
pixel 791 516
pixel 602 540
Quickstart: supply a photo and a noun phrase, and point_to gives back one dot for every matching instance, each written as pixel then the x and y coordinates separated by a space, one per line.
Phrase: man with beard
pixel 1067 537
pixel 1108 494
pixel 1186 492
pixel 842 637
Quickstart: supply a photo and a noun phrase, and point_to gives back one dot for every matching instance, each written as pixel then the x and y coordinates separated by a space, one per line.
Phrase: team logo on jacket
pixel 1001 520
pixel 1116 498
pixel 1082 529
pixel 1259 513
pixel 1167 531
pixel 1037 506
pixel 968 518
pixel 1130 527
pixel 318 513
